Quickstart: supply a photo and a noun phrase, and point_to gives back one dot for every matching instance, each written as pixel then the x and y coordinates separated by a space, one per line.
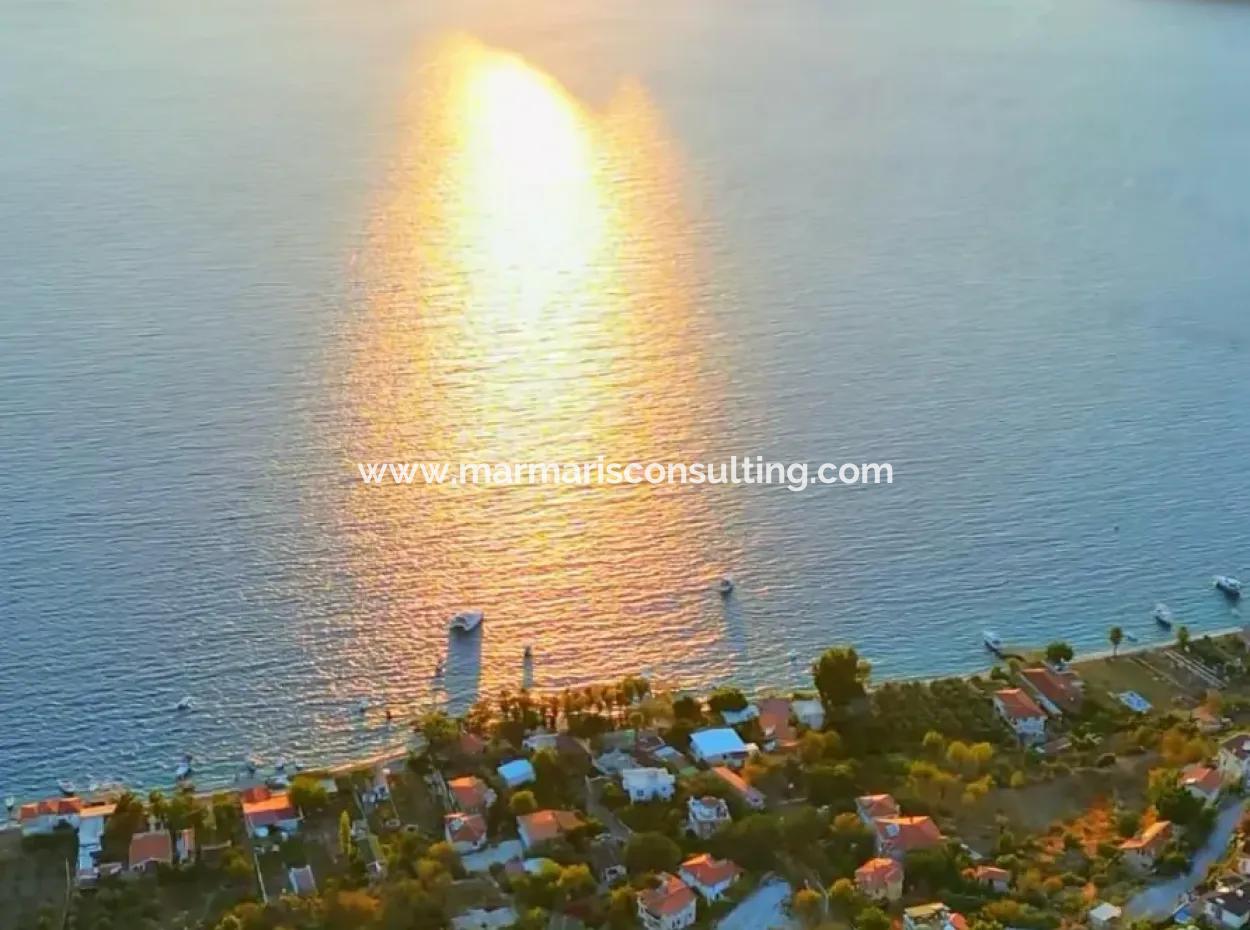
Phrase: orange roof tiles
pixel 708 871
pixel 669 897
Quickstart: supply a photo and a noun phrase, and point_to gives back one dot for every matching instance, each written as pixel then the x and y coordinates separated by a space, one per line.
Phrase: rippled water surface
pixel 1001 246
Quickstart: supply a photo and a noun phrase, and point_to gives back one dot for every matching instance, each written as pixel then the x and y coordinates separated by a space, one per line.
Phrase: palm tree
pixel 1116 636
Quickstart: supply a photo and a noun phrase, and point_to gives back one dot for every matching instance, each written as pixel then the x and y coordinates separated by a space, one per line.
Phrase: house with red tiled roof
pixel 668 905
pixel 465 833
pixel 990 876
pixel 471 794
pixel 779 732
pixel 897 836
pixel 710 877
pixel 265 811
pixel 45 816
pixel 1058 692
pixel 150 849
pixel 871 806
pixel 1021 713
pixel 1142 851
pixel 880 879
pixel 1203 782
pixel 543 826
pixel 752 797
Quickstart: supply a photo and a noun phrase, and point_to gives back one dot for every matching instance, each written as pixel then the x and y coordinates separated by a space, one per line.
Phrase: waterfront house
pixel 471 795
pixel 721 746
pixel 42 817
pixel 667 905
pixel 935 916
pixel 1203 782
pixel 871 807
pixel 809 713
pixel 710 877
pixel 897 836
pixel 149 849
pixel 606 861
pixel 1105 916
pixel 1233 759
pixel 648 784
pixel 1143 850
pixel 543 826
pixel 265 811
pixel 1057 692
pixel 880 879
pixel 380 789
pixel 779 734
pixel 752 797
pixel 1021 713
pixel 91 840
pixel 516 773
pixel 736 718
pixel 706 815
pixel 539 740
pixel 301 881
pixel 991 877
pixel 1229 905
pixel 465 833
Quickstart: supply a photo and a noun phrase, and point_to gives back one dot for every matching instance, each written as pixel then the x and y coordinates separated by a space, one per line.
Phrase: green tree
pixel 840 676
pixel 687 708
pixel 345 835
pixel 309 794
pixel 651 852
pixel 726 698
pixel 576 882
pixel 522 803
pixel 1058 652
pixel 439 730
pixel 808 906
pixel 1115 636
pixel 872 918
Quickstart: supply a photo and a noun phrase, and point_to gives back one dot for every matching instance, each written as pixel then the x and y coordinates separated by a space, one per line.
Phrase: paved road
pixel 1160 901
pixel 765 909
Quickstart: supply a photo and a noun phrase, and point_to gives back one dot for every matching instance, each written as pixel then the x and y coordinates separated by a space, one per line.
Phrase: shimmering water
pixel 1002 246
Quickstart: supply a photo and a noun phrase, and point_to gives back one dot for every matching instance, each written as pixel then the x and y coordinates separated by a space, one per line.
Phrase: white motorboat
pixel 10 802
pixel 1229 585
pixel 362 706
pixel 725 586
pixel 1163 616
pixel 68 788
pixel 993 642
pixel 467 621
pixel 183 770
pixel 184 704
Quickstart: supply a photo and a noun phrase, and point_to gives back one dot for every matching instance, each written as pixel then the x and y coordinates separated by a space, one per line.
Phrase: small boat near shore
pixel 1163 616
pixel 68 788
pixel 993 642
pixel 1229 585
pixel 725 586
pixel 184 704
pixel 184 769
pixel 466 621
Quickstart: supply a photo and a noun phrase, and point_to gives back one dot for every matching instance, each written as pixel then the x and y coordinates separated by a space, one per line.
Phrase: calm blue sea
pixel 1002 246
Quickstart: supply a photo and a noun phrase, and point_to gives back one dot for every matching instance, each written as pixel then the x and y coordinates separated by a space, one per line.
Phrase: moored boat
pixel 466 621
pixel 1229 585
pixel 993 642
pixel 1163 616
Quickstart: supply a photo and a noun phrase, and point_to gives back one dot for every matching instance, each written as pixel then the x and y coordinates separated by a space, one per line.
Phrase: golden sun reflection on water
pixel 528 297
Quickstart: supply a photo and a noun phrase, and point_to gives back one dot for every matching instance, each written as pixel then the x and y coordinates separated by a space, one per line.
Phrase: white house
pixel 706 815
pixel 648 784
pixel 669 905
pixel 1229 906
pixel 517 772
pixel 721 746
pixel 1233 759
pixel 1104 916
pixel 1021 713
pixel 710 877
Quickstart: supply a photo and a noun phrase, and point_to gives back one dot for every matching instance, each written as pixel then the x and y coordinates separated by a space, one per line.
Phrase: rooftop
pixel 668 897
pixel 1017 705
pixel 877 872
pixel 708 871
pixel 719 742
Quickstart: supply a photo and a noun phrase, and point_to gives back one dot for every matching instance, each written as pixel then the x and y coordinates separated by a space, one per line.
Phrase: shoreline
pixel 399 751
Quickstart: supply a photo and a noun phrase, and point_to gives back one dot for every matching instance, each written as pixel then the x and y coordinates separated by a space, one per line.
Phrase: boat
pixel 280 766
pixel 1163 616
pixel 529 652
pixel 184 770
pixel 184 704
pixel 440 667
pixel 1229 585
pixel 466 621
pixel 251 764
pixel 10 802
pixel 725 586
pixel 278 783
pixel 993 642
pixel 362 706
pixel 68 788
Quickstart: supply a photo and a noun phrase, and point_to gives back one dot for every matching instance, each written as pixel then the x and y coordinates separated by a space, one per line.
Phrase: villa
pixel 544 826
pixel 706 815
pixel 265 811
pixel 471 794
pixel 150 849
pixel 1057 692
pixel 1021 713
pixel 670 905
pixel 1233 759
pixel 779 733
pixel 1143 851
pixel 516 773
pixel 752 797
pixel 648 784
pixel 872 807
pixel 897 836
pixel 721 746
pixel 710 877
pixel 992 877
pixel 1203 782
pixel 880 879
pixel 465 833
pixel 45 816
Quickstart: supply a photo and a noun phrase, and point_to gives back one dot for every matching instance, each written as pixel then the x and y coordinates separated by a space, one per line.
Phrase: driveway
pixel 765 909
pixel 1160 901
pixel 503 853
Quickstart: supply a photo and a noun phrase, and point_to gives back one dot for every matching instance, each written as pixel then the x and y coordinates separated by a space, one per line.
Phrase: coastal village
pixel 1050 792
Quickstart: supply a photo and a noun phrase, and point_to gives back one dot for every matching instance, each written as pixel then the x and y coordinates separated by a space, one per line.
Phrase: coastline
pixel 398 751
